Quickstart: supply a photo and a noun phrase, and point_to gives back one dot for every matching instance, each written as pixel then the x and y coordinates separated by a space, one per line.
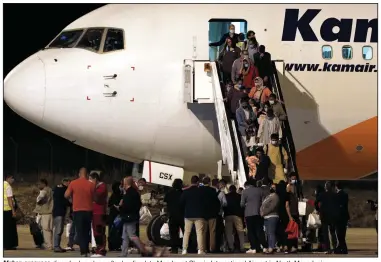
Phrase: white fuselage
pixel 61 90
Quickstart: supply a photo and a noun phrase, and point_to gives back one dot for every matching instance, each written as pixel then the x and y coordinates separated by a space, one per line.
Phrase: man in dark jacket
pixel 277 107
pixel 129 212
pixel 231 34
pixel 343 218
pixel 211 205
pixel 175 213
pixel 328 207
pixel 227 57
pixel 234 213
pixel 60 206
pixel 235 95
pixel 262 61
pixel 192 202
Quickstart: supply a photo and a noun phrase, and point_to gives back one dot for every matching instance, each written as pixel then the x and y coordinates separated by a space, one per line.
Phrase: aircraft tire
pixel 155 231
pixel 149 226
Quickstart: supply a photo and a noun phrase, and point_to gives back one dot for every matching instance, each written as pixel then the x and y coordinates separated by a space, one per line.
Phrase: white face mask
pixel 271 102
pixel 231 31
pixel 140 188
pixel 274 142
pixel 293 181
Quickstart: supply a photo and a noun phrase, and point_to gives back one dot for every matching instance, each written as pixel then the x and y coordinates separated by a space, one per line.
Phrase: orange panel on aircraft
pixel 347 155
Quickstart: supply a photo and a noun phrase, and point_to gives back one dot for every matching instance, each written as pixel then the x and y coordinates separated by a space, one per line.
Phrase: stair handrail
pixel 286 125
pixel 238 150
pixel 225 140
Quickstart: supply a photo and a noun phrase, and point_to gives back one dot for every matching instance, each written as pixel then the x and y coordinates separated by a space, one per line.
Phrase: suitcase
pixel 35 231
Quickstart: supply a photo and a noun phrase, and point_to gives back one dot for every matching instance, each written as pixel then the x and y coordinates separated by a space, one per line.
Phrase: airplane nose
pixel 24 89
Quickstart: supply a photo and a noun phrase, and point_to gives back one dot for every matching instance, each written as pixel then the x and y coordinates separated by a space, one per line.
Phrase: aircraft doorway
pixel 219 27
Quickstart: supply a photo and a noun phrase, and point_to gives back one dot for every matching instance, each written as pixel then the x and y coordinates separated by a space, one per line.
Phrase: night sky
pixel 27 29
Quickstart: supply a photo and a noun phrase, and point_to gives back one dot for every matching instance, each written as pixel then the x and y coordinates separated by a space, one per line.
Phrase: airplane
pixel 145 87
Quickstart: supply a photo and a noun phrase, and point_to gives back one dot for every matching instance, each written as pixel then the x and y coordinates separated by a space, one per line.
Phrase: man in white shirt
pixel 9 214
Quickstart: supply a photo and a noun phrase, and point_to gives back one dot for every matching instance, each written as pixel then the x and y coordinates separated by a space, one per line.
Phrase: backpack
pixel 280 151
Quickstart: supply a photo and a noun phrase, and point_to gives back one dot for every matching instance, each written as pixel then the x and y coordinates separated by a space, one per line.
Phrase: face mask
pixel 293 181
pixel 140 188
pixel 251 46
pixel 246 65
pixel 271 102
pixel 272 190
pixel 274 142
pixel 266 109
pixel 231 31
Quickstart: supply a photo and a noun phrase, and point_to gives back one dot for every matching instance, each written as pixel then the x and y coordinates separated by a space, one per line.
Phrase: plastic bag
pixel 302 207
pixel 68 227
pixel 145 215
pixel 117 221
pixel 313 221
pixel 164 232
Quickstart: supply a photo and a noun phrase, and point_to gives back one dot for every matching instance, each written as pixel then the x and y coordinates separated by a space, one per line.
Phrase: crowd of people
pixel 218 217
pixel 85 205
pixel 247 84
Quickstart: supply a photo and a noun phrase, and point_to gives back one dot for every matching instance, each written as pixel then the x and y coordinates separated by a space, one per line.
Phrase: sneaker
pixel 265 250
pixel 59 250
pixel 251 251
pixel 97 255
pixel 269 251
pixel 184 252
pixel 69 249
pixel 201 252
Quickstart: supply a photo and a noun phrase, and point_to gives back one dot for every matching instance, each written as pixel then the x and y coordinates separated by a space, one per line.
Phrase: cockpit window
pixel 114 40
pixel 66 39
pixel 91 39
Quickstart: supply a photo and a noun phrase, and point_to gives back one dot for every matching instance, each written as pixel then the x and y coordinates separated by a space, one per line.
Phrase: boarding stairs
pixel 202 85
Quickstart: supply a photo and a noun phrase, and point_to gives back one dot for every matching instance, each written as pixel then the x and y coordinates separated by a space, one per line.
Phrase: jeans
pixel 72 236
pixel 58 227
pixel 270 226
pixel 129 233
pixel 82 223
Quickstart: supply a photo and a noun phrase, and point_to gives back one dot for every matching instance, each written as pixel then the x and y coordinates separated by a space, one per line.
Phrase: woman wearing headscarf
pixel 248 72
pixel 114 235
pixel 259 92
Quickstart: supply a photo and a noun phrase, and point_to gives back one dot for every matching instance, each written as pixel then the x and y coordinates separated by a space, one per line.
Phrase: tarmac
pixel 362 242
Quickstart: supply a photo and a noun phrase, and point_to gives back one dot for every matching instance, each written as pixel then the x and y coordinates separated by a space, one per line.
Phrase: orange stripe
pixel 336 157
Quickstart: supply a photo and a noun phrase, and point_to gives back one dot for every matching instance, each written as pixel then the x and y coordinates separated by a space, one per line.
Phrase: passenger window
pixel 367 52
pixel 66 39
pixel 91 39
pixel 347 52
pixel 114 40
pixel 326 52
